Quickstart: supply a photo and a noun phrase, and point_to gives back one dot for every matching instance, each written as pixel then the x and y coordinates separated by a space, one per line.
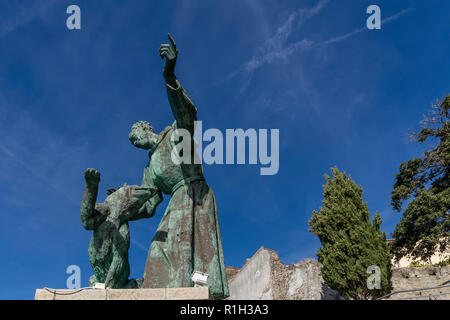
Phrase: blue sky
pixel 340 94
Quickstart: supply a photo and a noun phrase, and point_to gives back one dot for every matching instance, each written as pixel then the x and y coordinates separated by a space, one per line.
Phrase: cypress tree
pixel 351 243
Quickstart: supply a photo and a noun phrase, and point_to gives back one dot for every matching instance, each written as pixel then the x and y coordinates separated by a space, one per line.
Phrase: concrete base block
pixel 194 293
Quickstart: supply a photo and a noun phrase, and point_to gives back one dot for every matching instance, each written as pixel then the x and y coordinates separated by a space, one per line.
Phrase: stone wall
pixel 265 277
pixel 417 278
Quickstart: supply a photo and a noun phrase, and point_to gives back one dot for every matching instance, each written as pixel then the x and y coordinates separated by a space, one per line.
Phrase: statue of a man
pixel 108 249
pixel 188 236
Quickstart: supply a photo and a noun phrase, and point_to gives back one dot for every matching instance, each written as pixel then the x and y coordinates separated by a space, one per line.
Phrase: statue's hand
pixel 170 52
pixel 92 176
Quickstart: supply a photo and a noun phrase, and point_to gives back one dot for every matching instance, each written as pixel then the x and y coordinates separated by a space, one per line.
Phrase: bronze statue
pixel 188 236
pixel 108 249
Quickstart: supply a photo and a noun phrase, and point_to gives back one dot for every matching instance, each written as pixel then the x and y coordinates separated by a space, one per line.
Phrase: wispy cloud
pixel 276 48
pixel 355 32
pixel 5 150
pixel 30 152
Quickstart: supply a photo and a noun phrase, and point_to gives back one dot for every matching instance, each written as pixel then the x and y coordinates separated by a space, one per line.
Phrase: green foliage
pixel 350 242
pixel 444 263
pixel 425 225
pixel 418 264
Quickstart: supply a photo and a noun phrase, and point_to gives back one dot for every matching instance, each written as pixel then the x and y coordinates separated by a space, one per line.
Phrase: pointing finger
pixel 172 41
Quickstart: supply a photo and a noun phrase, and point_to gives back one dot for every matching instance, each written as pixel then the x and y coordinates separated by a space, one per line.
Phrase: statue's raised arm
pixel 188 236
pixel 182 107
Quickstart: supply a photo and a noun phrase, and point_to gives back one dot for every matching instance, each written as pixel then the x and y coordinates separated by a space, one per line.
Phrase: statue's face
pixel 142 135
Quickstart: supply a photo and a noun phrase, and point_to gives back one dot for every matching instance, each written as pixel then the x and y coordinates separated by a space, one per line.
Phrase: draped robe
pixel 188 236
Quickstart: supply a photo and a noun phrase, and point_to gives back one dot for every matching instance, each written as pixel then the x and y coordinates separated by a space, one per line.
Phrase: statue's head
pixel 142 135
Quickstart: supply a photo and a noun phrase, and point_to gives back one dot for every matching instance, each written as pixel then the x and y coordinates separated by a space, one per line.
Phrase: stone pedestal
pixel 195 293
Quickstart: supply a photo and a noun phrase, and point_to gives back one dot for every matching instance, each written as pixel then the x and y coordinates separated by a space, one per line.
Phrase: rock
pixel 231 272
pixel 265 277
pixel 420 278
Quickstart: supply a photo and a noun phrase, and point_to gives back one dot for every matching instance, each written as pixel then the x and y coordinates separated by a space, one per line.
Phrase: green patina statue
pixel 108 249
pixel 188 236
